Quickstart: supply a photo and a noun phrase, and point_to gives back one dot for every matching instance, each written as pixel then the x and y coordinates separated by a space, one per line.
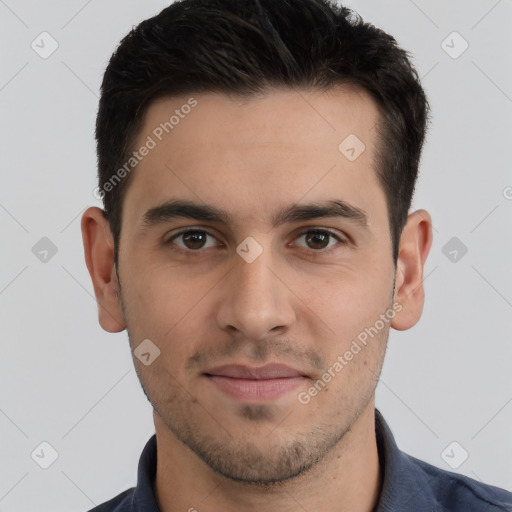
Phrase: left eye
pixel 193 239
pixel 319 238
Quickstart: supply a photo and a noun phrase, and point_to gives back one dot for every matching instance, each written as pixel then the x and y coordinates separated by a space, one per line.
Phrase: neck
pixel 347 479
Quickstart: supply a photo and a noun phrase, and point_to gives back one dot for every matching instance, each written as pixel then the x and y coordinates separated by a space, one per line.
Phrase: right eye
pixel 191 240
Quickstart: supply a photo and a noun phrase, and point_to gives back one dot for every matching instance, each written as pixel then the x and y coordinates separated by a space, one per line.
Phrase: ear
pixel 99 257
pixel 415 244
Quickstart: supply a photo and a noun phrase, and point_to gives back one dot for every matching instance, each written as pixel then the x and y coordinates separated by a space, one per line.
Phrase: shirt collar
pixel 404 485
pixel 143 498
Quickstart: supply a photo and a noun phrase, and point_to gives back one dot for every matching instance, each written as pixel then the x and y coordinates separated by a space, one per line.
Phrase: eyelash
pixel 311 252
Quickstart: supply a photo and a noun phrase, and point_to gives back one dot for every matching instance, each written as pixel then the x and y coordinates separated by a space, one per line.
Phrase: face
pixel 267 280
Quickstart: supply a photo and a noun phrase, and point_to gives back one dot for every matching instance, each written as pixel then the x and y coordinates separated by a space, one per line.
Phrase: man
pixel 257 161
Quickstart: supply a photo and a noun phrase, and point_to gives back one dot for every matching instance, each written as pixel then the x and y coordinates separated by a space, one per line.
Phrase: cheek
pixel 346 303
pixel 170 310
pixel 162 297
pixel 354 345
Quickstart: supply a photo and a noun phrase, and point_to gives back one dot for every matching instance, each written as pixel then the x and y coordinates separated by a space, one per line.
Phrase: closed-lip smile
pixel 249 383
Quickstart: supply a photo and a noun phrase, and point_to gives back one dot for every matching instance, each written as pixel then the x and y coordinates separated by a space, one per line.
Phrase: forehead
pixel 257 153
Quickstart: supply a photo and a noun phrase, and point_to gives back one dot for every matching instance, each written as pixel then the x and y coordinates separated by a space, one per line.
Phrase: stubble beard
pixel 238 459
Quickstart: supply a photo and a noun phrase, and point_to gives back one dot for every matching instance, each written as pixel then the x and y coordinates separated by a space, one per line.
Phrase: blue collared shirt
pixel 408 485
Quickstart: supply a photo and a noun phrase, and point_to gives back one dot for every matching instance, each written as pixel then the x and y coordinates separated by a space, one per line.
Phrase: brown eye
pixel 192 240
pixel 319 240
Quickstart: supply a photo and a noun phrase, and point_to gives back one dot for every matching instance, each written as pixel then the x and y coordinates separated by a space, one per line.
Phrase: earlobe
pixel 99 258
pixel 415 244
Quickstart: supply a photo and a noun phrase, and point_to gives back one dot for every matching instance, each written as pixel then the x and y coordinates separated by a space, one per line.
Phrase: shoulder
pixel 456 492
pixel 121 503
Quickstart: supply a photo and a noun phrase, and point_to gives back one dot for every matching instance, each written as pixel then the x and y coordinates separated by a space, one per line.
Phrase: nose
pixel 256 301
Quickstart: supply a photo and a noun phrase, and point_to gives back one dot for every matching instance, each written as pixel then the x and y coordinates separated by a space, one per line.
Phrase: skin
pixel 252 158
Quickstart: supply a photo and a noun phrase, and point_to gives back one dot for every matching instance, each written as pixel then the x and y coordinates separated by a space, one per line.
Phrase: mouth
pixel 255 384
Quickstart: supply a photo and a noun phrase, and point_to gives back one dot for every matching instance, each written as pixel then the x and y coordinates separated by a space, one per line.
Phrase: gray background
pixel 65 381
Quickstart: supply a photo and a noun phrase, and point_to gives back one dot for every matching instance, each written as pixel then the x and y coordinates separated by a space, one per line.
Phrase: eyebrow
pixel 208 213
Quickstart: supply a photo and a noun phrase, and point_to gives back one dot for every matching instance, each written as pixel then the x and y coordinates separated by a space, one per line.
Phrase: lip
pixel 254 384
pixel 268 371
